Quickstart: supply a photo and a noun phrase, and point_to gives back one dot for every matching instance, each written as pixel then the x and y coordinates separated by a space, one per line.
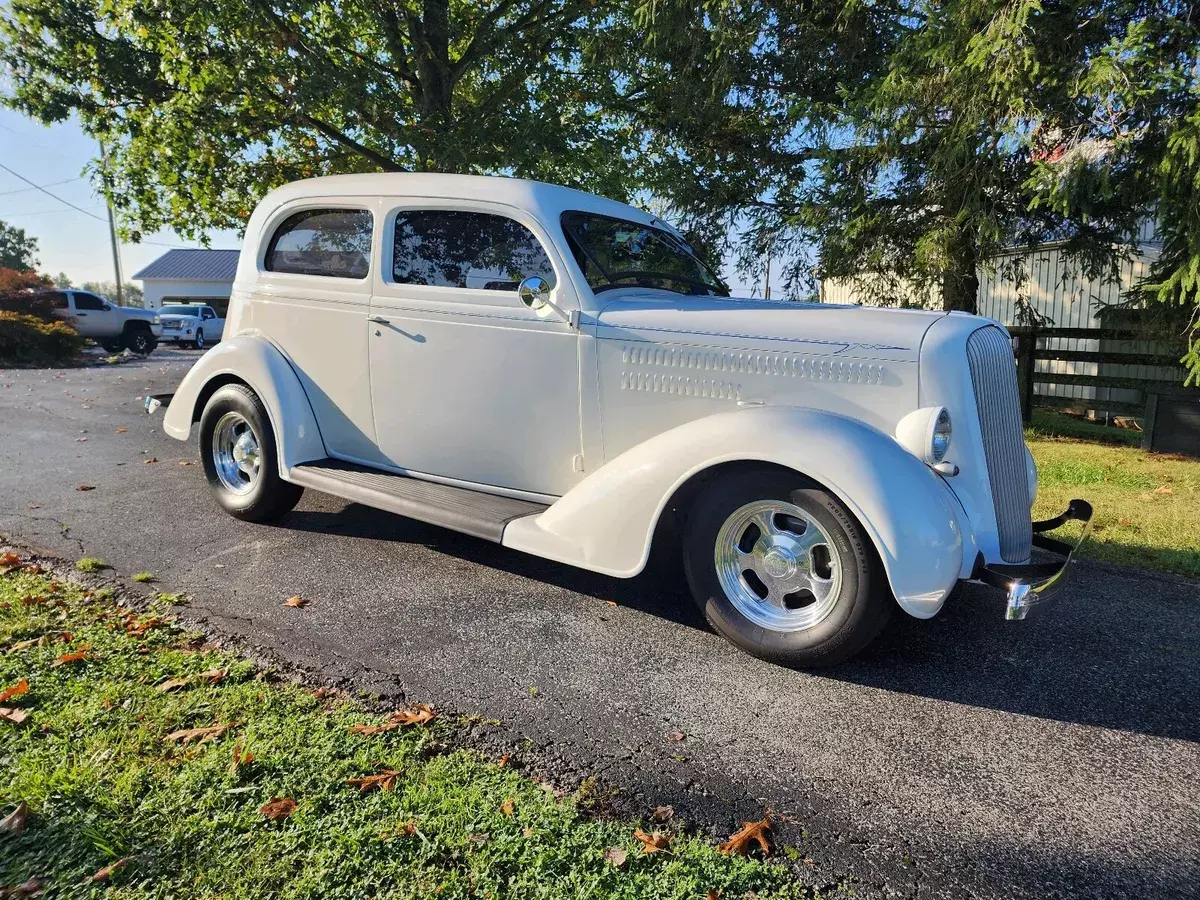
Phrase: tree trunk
pixel 960 280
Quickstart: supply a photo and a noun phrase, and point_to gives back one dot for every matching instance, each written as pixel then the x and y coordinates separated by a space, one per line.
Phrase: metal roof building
pixel 201 276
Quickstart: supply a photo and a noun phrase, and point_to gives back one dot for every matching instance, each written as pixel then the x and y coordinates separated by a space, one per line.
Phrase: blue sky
pixel 73 242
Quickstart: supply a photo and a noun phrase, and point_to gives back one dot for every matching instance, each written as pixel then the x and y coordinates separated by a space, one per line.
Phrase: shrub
pixel 29 340
pixel 21 292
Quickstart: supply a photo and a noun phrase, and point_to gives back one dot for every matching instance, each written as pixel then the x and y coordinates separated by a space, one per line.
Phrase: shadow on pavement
pixel 1117 649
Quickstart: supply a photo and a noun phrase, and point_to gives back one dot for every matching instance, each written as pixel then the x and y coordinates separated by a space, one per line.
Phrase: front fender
pixel 252 359
pixel 606 522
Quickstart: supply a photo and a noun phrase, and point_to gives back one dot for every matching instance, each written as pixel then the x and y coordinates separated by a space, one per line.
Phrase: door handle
pixel 378 320
pixel 80 314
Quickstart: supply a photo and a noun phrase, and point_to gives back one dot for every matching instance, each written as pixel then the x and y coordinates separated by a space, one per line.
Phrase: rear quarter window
pixel 332 243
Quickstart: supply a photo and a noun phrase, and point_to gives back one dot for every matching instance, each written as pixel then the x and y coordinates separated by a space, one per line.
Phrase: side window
pixel 466 250
pixel 57 298
pixel 207 313
pixel 88 302
pixel 335 243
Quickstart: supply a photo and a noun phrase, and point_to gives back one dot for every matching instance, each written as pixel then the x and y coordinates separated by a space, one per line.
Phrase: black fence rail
pixel 1105 371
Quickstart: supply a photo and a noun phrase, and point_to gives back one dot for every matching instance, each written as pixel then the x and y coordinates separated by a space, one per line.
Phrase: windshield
pixel 172 309
pixel 618 253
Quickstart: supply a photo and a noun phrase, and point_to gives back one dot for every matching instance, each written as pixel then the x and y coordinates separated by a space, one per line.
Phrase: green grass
pixel 91 564
pixel 1147 505
pixel 143 577
pixel 103 783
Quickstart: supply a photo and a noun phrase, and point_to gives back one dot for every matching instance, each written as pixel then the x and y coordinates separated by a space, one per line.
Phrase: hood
pixel 810 328
pixel 136 312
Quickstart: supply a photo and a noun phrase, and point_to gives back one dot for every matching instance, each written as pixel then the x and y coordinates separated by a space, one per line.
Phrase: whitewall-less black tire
pixel 238 450
pixel 782 569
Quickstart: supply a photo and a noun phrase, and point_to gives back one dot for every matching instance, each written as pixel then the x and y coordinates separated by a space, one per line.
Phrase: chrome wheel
pixel 236 454
pixel 199 342
pixel 777 566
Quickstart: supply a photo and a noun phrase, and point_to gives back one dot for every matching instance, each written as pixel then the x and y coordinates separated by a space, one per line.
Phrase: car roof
pixel 551 200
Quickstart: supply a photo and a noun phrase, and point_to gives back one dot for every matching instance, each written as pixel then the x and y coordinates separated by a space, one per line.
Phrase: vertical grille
pixel 994 377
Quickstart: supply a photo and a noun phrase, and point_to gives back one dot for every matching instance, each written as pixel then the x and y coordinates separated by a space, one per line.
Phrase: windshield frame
pixel 173 309
pixel 719 289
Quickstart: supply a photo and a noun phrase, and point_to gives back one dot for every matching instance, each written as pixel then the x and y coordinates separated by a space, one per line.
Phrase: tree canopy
pixel 17 249
pixel 205 106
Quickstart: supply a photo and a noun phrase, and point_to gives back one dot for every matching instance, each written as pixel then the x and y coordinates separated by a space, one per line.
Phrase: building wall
pixel 214 293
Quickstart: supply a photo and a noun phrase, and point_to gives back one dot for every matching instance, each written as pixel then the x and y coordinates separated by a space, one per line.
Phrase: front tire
pixel 198 343
pixel 782 569
pixel 237 448
pixel 141 341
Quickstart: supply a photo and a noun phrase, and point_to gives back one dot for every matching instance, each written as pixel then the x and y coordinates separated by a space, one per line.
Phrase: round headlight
pixel 925 433
pixel 156 321
pixel 939 443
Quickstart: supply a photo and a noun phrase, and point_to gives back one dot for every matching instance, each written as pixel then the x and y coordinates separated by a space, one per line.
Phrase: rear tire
pixel 805 589
pixel 238 450
pixel 113 345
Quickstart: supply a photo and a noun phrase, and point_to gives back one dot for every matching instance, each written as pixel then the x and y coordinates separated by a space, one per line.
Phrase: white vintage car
pixel 561 374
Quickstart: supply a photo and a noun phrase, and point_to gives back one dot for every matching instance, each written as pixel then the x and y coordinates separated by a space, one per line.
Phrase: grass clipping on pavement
pixel 137 761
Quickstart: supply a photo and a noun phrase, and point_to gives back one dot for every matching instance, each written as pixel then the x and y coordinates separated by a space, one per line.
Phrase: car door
pixel 213 325
pixel 467 382
pixel 93 316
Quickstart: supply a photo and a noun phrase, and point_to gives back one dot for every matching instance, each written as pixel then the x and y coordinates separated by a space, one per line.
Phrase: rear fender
pixel 253 360
pixel 606 522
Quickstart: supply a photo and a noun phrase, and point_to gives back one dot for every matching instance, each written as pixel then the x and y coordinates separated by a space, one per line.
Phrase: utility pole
pixel 112 233
pixel 767 289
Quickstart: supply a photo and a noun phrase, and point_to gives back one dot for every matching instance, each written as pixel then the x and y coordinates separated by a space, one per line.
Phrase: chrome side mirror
pixel 534 292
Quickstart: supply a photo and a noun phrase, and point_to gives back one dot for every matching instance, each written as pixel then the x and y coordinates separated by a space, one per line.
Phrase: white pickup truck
pixel 113 327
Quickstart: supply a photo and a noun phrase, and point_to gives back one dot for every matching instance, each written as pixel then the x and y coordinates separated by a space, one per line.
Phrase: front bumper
pixel 1029 584
pixel 154 402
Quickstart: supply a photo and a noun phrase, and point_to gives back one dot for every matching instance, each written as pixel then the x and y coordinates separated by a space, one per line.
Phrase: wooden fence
pixel 1105 371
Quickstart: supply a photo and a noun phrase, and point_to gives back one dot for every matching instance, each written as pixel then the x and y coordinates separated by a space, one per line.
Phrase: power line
pixel 51 184
pixel 80 208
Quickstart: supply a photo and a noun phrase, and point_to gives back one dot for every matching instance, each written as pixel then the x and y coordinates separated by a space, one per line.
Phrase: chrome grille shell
pixel 997 401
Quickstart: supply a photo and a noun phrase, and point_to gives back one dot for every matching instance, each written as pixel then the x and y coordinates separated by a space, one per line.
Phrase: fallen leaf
pixel 65 658
pixel 1163 490
pixel 121 430
pixel 187 462
pixel 616 856
pixel 295 601
pixel 360 728
pixel 653 843
pixel 33 506
pixel 202 735
pixel 383 781
pixel 278 808
pixel 481 837
pixel 1124 523
pixel 676 736
pixel 751 833
pixel 240 757
pixel 419 714
pixel 10 559
pixel 14 715
pixel 506 808
pixel 212 676
pixel 21 687
pixel 14 822
pixel 663 813
pixel 713 895
pixel 32 569
pixel 611 602
pixel 152 459
pixel 25 645
pixel 30 888
pixel 80 440
pixel 86 487
pixel 105 873
pixel 503 760
pixel 173 685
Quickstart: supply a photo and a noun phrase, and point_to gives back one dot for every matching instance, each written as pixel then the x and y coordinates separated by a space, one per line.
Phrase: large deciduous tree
pixel 911 139
pixel 203 106
pixel 17 250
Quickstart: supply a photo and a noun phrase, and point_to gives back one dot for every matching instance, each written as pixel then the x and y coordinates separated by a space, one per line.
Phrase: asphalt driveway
pixel 964 756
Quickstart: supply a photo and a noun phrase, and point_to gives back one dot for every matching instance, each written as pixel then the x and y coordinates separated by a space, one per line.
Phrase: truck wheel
pixel 198 343
pixel 782 569
pixel 141 341
pixel 237 447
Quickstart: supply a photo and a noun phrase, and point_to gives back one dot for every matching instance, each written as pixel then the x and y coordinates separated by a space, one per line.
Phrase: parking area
pixel 962 756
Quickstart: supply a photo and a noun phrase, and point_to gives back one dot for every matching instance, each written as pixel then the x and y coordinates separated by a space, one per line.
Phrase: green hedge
pixel 29 340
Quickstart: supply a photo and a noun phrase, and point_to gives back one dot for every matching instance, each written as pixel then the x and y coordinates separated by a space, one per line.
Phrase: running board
pixel 461 509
